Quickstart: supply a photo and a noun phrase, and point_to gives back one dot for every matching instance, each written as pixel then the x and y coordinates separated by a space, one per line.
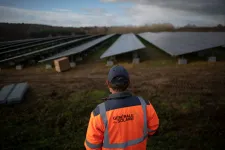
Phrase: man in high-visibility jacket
pixel 123 121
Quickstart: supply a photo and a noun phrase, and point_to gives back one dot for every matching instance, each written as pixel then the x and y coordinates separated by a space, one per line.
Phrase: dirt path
pixel 174 78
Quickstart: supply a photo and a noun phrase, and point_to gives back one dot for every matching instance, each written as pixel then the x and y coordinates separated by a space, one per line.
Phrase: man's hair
pixel 119 84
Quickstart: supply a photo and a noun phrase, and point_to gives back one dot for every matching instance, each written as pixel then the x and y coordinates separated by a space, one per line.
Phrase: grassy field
pixel 189 100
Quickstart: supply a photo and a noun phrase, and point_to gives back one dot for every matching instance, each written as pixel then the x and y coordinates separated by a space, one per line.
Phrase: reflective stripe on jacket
pixel 123 122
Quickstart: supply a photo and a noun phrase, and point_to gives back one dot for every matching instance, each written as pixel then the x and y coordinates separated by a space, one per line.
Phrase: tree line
pixel 15 31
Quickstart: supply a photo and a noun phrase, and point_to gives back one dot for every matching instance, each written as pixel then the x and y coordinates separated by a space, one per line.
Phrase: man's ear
pixel 107 83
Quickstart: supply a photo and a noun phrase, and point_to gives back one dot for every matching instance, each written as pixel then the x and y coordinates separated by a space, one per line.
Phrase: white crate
pixel 110 63
pixel 19 67
pixel 212 59
pixel 182 61
pixel 136 60
pixel 72 64
pixel 48 66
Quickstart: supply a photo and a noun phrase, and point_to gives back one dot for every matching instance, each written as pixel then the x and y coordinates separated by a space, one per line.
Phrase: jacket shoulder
pixel 96 111
pixel 146 101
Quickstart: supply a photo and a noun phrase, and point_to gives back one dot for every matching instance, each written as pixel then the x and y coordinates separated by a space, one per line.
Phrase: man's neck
pixel 114 92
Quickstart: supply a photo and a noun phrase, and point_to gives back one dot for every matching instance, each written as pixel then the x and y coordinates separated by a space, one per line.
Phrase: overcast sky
pixel 113 12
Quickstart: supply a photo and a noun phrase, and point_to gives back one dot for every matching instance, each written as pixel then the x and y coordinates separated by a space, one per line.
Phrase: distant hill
pixel 15 31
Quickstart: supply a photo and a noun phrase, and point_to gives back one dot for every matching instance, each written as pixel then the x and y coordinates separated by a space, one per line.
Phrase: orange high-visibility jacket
pixel 123 122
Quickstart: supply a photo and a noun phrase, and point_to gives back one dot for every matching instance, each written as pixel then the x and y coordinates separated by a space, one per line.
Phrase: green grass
pixel 48 123
pixel 61 123
pixel 186 126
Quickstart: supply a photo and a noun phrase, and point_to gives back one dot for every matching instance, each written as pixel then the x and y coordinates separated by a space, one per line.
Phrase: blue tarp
pixel 4 93
pixel 13 93
pixel 17 94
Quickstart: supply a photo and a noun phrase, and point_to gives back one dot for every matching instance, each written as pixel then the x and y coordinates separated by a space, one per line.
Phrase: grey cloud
pixel 207 7
pixel 138 14
pixel 148 14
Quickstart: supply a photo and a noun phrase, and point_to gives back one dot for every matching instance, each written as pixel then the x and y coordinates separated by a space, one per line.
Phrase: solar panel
pixel 10 43
pixel 7 43
pixel 46 49
pixel 17 41
pixel 80 48
pixel 4 93
pixel 35 45
pixel 179 43
pixel 21 41
pixel 17 94
pixel 125 43
pixel 26 43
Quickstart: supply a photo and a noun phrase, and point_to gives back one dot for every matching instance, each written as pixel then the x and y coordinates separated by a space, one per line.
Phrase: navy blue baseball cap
pixel 118 74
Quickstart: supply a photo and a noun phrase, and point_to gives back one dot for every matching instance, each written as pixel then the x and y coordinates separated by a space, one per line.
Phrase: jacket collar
pixel 119 95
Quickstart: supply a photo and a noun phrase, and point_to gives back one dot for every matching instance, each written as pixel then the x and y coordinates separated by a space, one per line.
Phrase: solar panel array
pixel 25 42
pixel 36 45
pixel 17 41
pixel 41 51
pixel 30 48
pixel 6 43
pixel 179 43
pixel 10 50
pixel 125 43
pixel 79 49
pixel 173 43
